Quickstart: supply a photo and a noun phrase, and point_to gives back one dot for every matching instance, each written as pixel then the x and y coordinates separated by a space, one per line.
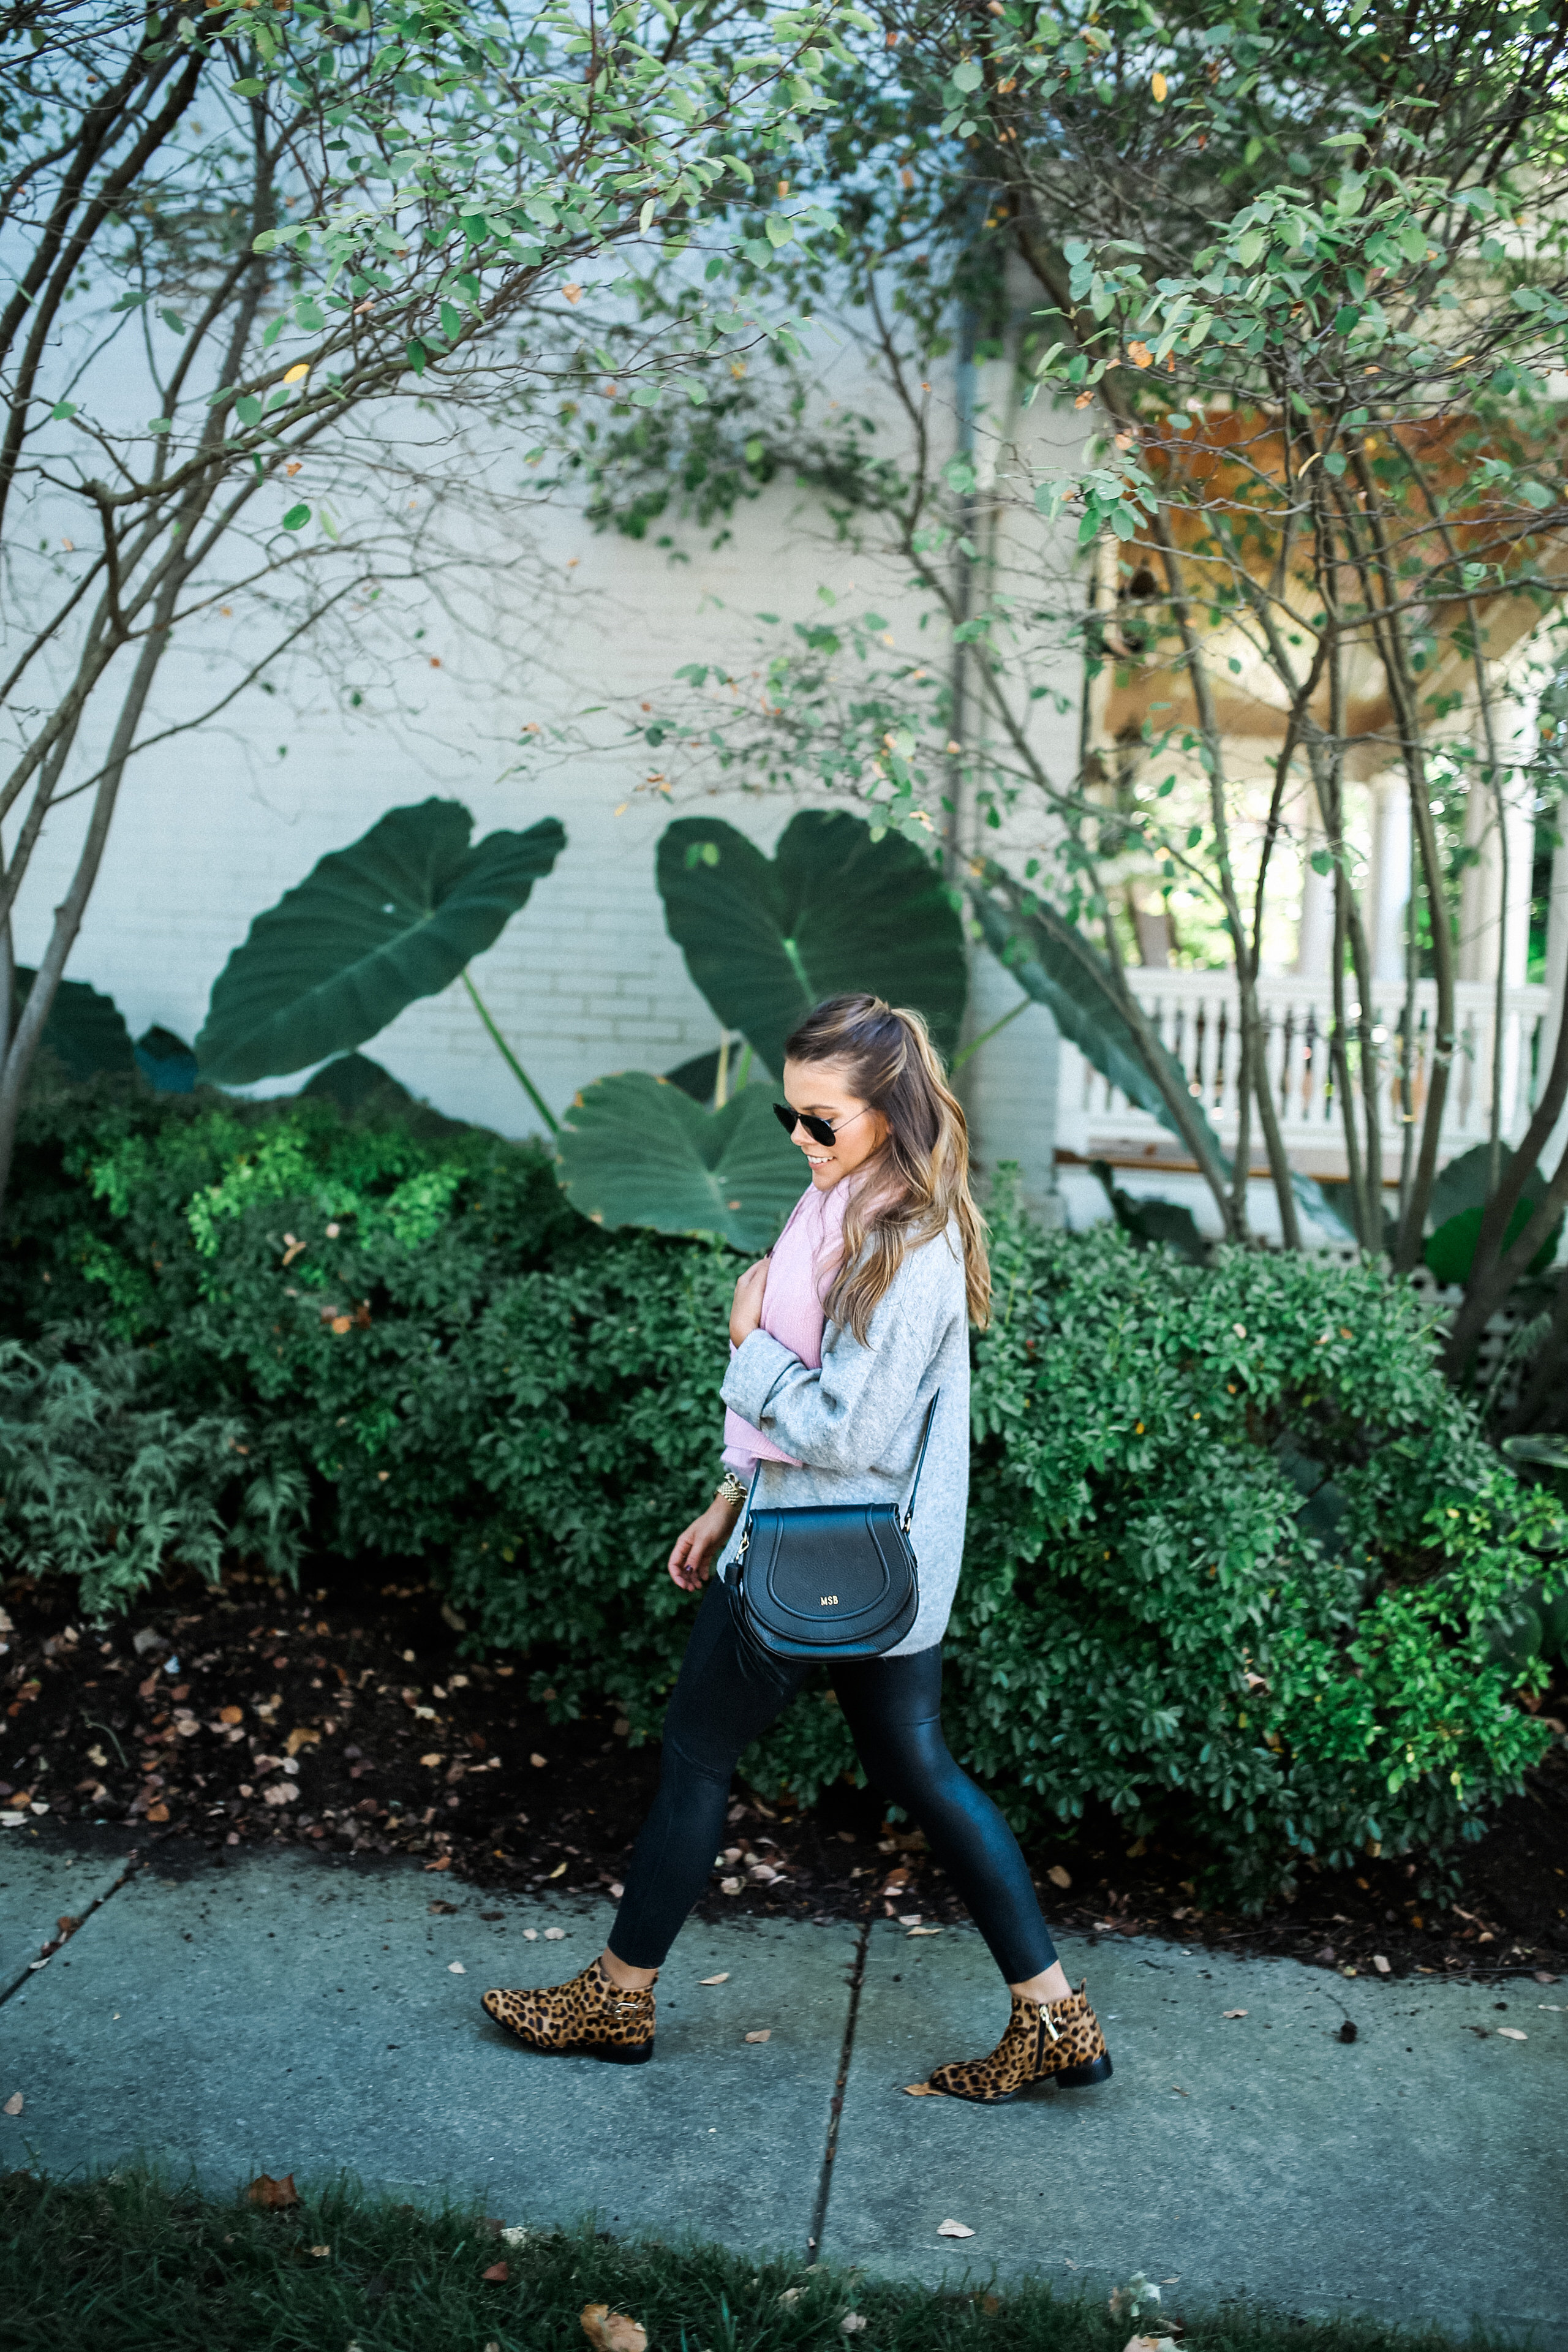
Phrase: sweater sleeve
pixel 846 1415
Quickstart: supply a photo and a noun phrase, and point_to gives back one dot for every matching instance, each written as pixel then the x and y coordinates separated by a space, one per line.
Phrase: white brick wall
pixel 213 828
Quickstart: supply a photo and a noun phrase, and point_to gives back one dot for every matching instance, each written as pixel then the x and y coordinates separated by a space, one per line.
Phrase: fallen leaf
pixel 14 2103
pixel 766 2034
pixel 1512 2033
pixel 450 1909
pixel 430 1762
pixel 612 2331
pixel 531 1935
pixel 1058 1876
pixel 302 1736
pixel 455 1969
pixel 989 2304
pixel 554 1935
pixel 321 2252
pixel 498 2274
pixel 791 2294
pixel 722 1977
pixel 923 2091
pixel 730 1885
pixel 273 2196
pixel 1159 86
pixel 231 1715
pixel 558 1871
pixel 954 2229
pixel 537 1760
pixel 159 1812
pixel 1379 1964
pixel 852 2322
pixel 910 1918
pixel 95 1754
pixel 1347 2032
pixel 922 1931
pixel 1235 2013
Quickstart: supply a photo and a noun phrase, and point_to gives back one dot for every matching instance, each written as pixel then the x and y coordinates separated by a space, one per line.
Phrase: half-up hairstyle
pixel 916 1182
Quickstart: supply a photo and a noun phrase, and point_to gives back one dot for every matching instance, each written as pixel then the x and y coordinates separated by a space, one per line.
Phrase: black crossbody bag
pixel 828 1581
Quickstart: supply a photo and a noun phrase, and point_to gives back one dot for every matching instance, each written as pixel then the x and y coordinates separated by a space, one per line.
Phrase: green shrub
pixel 1237 1556
pixel 99 1486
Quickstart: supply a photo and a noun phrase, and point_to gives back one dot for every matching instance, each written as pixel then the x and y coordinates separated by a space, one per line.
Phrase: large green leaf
pixel 1053 963
pixel 165 1061
pixel 1458 1199
pixel 364 1094
pixel 85 1030
pixel 637 1150
pixel 831 912
pixel 396 916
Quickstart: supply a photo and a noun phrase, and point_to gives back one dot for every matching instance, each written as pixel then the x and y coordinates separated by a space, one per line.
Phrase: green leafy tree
pixel 1301 273
pixel 272 263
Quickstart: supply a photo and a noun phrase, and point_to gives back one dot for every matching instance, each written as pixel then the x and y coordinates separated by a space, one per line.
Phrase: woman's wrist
pixel 729 1491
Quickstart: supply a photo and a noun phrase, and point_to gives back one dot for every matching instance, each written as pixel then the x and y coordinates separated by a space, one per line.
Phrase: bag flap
pixel 830 1574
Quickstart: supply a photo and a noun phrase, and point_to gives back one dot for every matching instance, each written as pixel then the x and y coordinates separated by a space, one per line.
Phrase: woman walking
pixel 845 1339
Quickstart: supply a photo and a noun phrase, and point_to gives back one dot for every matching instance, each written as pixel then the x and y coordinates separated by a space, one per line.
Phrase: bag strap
pixel 740 1552
pixel 919 1460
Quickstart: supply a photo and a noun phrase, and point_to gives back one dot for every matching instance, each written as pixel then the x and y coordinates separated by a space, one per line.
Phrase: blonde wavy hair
pixel 917 1180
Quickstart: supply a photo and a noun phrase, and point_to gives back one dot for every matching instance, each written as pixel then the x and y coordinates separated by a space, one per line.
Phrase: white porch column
pixel 1388 889
pixel 1490 928
pixel 1315 937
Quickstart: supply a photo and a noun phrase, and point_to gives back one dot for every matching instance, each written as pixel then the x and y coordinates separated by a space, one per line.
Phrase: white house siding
pixel 211 828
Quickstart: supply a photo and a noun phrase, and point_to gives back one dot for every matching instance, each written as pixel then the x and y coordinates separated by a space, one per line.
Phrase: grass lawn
pixel 129 2264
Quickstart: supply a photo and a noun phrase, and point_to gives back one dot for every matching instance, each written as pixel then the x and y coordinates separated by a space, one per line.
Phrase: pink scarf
pixel 800 1273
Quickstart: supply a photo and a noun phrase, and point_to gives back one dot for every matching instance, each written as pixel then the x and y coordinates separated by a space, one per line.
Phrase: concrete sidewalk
pixel 281 2015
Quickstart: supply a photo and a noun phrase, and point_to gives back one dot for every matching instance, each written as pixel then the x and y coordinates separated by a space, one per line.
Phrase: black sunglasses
pixel 818 1128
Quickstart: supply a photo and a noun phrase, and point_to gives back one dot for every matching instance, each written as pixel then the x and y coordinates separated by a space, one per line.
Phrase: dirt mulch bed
pixel 346 1720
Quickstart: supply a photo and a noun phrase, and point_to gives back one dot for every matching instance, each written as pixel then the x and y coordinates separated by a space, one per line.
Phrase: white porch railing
pixel 1196 1014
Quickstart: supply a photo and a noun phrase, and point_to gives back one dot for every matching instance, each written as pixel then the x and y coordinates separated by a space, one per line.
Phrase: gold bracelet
pixel 730 1489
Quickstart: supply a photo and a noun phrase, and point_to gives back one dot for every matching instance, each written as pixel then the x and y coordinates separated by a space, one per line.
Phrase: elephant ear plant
pixel 637 1150
pixel 400 913
pixel 834 908
pixel 397 915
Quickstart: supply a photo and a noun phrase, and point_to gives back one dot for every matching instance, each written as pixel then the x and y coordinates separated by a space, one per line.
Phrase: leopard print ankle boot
pixel 1057 2041
pixel 590 2017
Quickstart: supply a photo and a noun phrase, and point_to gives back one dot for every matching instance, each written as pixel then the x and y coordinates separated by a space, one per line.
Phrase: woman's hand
pixel 698 1546
pixel 746 1312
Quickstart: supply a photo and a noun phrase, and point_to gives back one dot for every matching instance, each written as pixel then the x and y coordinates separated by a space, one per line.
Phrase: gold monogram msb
pixel 829 1600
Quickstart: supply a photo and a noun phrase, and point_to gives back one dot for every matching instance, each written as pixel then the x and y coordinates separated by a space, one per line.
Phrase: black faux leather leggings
pixel 727 1695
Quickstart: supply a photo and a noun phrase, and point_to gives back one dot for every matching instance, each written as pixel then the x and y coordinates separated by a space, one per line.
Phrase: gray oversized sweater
pixel 855 1425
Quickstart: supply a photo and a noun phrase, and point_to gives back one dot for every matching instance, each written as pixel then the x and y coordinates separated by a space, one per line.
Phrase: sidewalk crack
pixel 132 1871
pixel 835 2105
